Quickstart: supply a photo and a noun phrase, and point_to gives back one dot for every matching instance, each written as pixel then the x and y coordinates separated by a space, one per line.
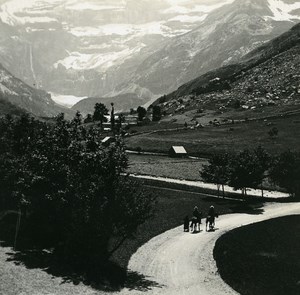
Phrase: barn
pixel 177 152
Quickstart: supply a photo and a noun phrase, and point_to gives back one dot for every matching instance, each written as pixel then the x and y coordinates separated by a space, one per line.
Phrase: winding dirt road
pixel 171 263
pixel 182 263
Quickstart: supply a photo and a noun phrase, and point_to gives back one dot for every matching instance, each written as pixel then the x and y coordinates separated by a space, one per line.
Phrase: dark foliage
pixel 285 172
pixel 71 189
pixel 243 170
pixel 100 111
pixel 217 171
pixel 141 113
pixel 156 115
pixel 266 264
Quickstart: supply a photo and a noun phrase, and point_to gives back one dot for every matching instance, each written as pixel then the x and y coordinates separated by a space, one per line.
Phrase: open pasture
pixel 163 166
pixel 230 137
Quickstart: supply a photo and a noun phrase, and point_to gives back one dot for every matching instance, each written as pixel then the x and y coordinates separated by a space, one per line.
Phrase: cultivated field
pixel 166 167
pixel 210 139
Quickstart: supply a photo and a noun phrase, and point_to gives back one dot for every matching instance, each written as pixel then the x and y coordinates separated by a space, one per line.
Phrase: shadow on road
pixel 136 281
pixel 110 277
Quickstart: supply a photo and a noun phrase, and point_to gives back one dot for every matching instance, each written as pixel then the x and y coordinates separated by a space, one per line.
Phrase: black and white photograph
pixel 149 147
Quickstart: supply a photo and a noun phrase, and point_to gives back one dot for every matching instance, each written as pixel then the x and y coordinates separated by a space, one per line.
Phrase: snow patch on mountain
pixel 140 30
pixel 66 100
pixel 95 6
pixel 182 9
pixel 283 11
pixel 101 62
pixel 188 18
pixel 13 12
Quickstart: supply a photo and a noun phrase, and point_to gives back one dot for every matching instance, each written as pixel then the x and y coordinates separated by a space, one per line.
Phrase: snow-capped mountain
pixel 97 48
pixel 87 47
pixel 222 38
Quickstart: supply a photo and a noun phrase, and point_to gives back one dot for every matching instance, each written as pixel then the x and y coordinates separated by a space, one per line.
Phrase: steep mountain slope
pixel 15 92
pixel 101 48
pixel 267 76
pixel 226 35
pixel 87 47
pixel 86 106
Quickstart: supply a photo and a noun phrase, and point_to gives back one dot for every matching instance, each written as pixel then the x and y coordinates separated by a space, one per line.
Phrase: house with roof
pixel 177 152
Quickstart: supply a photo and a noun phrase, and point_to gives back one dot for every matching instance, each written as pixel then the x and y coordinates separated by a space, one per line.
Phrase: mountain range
pixel 226 35
pixel 267 76
pixel 87 48
pixel 131 51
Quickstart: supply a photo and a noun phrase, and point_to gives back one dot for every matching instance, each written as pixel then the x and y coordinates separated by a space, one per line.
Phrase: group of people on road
pixel 195 221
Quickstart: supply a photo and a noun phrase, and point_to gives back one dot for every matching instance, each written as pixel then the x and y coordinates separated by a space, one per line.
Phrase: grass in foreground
pixel 262 258
pixel 172 206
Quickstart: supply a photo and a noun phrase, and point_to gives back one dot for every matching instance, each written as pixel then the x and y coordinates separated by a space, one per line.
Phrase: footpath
pixel 204 188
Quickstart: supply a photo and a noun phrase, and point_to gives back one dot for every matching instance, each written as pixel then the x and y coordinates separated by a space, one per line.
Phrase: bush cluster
pixel 70 189
pixel 249 169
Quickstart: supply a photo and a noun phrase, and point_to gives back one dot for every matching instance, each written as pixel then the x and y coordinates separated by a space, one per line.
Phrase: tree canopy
pixel 141 113
pixel 73 187
pixel 285 172
pixel 217 171
pixel 100 111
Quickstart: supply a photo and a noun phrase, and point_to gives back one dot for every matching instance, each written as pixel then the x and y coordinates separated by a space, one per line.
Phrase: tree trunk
pixel 218 186
pixel 17 229
pixel 117 246
pixel 223 191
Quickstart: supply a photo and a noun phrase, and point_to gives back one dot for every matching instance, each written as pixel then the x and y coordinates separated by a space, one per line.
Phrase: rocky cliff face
pixel 223 38
pixel 267 76
pixel 86 48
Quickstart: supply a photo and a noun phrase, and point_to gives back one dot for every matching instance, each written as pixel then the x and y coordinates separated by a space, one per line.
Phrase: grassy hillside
pixel 227 137
pixel 268 76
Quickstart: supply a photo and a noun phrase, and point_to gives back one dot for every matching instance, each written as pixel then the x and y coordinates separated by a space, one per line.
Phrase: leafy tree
pixel 88 119
pixel 285 172
pixel 100 111
pixel 112 117
pixel 79 200
pixel 141 113
pixel 218 171
pixel 263 164
pixel 156 113
pixel 245 172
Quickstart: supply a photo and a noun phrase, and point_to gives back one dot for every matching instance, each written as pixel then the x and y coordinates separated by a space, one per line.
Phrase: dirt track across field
pixel 182 263
pixel 172 263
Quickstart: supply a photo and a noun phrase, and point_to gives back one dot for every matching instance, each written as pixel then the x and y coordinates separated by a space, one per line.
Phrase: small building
pixel 177 152
pixel 106 141
pixel 131 120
